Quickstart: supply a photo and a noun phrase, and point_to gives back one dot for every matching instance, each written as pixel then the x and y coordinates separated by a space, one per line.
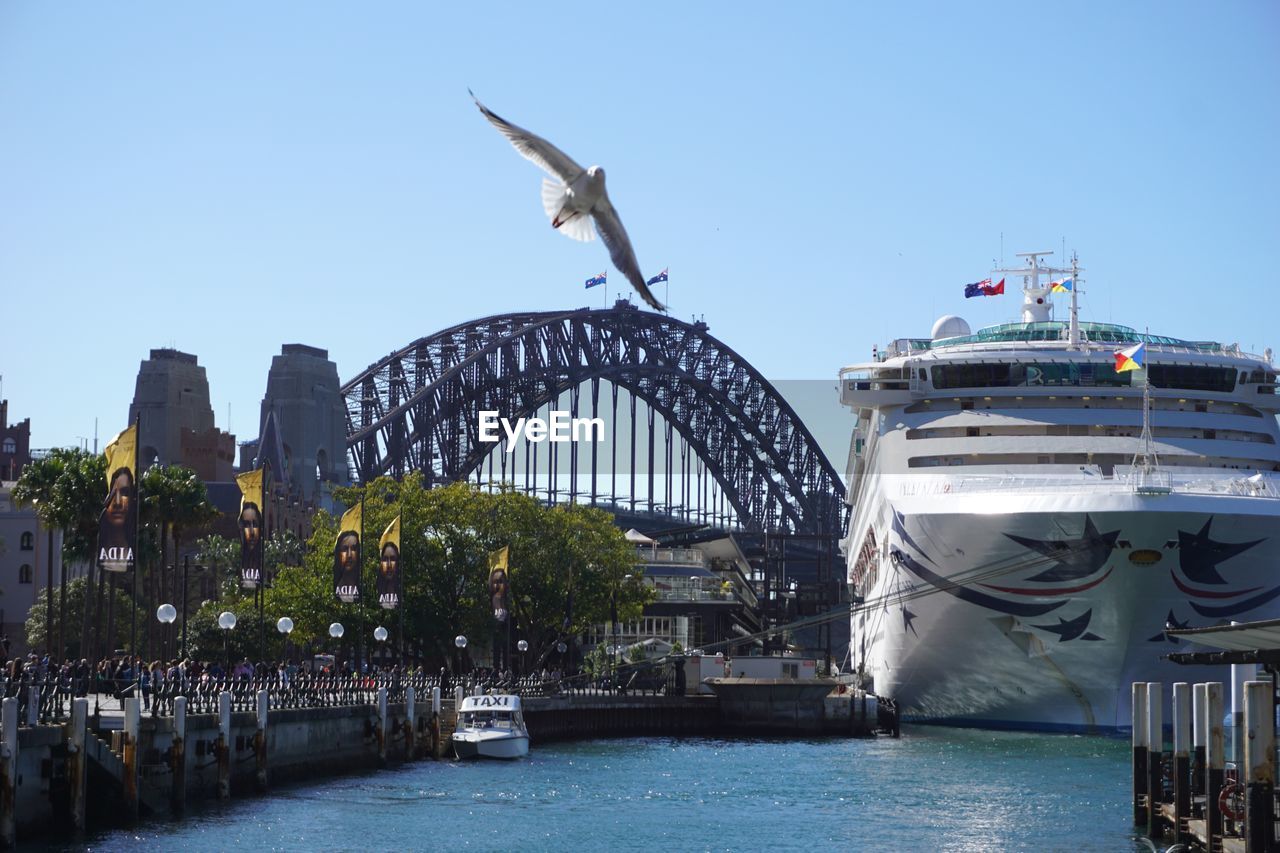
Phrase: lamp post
pixel 380 634
pixel 285 626
pixel 186 568
pixel 522 646
pixel 562 648
pixel 227 621
pixel 460 642
pixel 336 631
pixel 166 614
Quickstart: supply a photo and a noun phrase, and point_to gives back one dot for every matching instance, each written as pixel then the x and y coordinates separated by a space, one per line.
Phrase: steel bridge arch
pixel 416 409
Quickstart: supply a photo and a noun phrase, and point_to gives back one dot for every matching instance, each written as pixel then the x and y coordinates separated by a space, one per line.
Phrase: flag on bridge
pixel 658 279
pixel 596 280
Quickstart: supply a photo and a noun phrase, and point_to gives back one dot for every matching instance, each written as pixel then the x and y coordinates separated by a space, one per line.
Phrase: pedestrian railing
pixel 53 694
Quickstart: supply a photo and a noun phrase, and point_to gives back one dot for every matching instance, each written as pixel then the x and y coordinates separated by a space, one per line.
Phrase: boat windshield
pixel 487 720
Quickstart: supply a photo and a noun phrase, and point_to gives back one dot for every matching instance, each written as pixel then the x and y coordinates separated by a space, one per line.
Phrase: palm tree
pixel 68 488
pixel 174 502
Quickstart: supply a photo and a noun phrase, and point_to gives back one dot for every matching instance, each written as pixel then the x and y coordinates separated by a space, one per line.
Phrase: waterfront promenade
pixel 100 761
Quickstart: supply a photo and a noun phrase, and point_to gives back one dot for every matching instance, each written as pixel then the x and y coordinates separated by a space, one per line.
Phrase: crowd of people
pixel 124 675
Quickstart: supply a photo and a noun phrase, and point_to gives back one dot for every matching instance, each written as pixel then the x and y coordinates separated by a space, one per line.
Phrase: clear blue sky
pixel 227 177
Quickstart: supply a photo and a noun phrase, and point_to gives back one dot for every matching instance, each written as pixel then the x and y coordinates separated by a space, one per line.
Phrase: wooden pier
pixel 1185 790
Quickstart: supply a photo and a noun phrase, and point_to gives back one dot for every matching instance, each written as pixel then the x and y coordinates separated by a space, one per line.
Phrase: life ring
pixel 1231 801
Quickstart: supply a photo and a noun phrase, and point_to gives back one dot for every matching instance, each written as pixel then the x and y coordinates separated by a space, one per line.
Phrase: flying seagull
pixel 575 198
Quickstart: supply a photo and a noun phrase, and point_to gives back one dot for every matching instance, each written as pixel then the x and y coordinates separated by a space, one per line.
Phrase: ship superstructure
pixel 1027 520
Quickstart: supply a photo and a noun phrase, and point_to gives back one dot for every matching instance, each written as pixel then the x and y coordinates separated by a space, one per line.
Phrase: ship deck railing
pixel 1239 484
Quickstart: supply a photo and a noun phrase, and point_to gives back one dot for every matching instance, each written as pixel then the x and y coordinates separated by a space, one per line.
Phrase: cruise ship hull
pixel 1038 611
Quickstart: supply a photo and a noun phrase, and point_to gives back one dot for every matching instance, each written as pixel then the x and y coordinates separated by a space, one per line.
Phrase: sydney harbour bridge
pixel 696 438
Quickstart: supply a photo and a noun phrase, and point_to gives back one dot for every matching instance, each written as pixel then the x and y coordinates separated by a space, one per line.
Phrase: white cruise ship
pixel 1027 521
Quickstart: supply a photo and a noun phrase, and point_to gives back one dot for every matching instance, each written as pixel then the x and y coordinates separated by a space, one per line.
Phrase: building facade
pixel 702 596
pixel 175 418
pixel 311 421
pixel 29 555
pixel 15 444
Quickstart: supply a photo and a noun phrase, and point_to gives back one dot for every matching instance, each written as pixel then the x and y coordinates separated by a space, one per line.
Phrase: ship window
pixel 971 432
pixel 966 405
pixel 1192 377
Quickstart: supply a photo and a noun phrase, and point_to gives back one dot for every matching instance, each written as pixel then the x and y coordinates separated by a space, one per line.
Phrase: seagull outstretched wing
pixel 538 150
pixel 620 251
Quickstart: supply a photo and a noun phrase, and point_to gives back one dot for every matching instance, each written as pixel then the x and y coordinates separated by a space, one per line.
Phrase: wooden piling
pixel 1181 760
pixel 260 740
pixel 223 747
pixel 410 721
pixel 1259 772
pixel 33 706
pixel 77 760
pixel 1199 737
pixel 1215 762
pixel 178 757
pixel 9 776
pixel 1139 753
pixel 382 724
pixel 132 728
pixel 1155 757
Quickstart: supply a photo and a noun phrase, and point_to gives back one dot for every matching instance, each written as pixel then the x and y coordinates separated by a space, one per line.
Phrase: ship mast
pixel 1036 304
pixel 1073 333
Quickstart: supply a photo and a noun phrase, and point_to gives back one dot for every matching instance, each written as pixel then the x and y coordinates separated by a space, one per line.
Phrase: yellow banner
pixel 391 535
pixel 122 453
pixel 351 520
pixel 389 566
pixel 498 559
pixel 250 485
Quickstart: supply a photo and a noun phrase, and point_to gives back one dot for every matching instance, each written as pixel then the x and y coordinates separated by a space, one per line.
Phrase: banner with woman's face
pixel 118 524
pixel 346 557
pixel 389 566
pixel 252 528
pixel 500 583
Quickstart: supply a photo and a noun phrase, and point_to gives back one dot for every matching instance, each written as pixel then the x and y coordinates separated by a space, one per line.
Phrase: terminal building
pixel 702 596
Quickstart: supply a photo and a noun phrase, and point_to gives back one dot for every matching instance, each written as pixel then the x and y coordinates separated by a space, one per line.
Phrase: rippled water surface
pixel 935 789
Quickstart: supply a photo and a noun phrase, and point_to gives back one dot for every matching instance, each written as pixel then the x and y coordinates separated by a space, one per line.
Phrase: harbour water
pixel 935 789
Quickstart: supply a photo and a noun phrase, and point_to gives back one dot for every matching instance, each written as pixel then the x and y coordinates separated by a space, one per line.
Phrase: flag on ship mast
pixel 984 288
pixel 1062 285
pixel 1133 358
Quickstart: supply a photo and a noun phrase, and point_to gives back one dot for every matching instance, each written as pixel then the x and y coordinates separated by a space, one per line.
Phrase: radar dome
pixel 950 326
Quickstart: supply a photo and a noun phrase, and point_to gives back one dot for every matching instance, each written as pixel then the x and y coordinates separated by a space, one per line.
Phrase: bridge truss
pixel 701 435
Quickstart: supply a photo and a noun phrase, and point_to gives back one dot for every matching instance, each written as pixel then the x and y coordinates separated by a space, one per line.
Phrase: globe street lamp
pixel 227 621
pixel 336 631
pixel 522 646
pixel 380 634
pixel 166 614
pixel 460 642
pixel 285 626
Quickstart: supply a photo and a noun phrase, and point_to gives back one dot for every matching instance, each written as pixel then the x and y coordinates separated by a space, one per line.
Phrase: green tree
pixel 174 501
pixel 77 592
pixel 68 488
pixel 567 563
